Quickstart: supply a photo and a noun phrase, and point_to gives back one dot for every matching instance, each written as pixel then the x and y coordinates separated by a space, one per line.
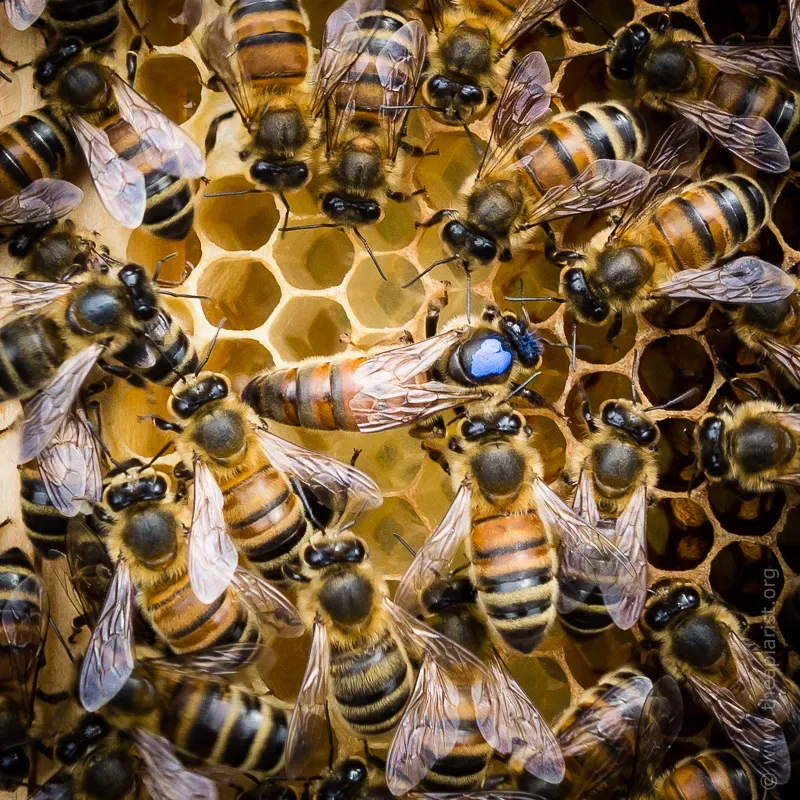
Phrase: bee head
pixel 190 394
pixel 625 417
pixel 90 731
pixel 48 67
pixel 324 551
pixel 14 767
pixel 710 440
pixel 625 49
pixel 583 302
pixel 669 604
pixel 525 338
pixel 283 176
pixel 351 210
pixel 457 100
pixel 140 292
pixel 350 775
pixel 132 487
pixel 469 246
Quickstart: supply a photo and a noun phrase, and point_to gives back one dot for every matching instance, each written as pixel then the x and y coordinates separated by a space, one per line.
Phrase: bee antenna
pixel 233 194
pixel 634 370
pixel 428 269
pixel 286 206
pixel 594 19
pixel 60 638
pixel 210 346
pixel 675 400
pixel 578 55
pixel 311 227
pixel 160 263
pixel 546 298
pixel 405 544
pixel 473 140
pixel 103 446
pixel 184 296
pixel 574 363
pixel 469 297
pixel 371 254
pixel 521 387
pixel 154 458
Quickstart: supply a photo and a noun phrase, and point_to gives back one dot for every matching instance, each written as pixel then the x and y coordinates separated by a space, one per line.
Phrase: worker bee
pixel 462 364
pixel 99 762
pixel 533 173
pixel 148 542
pixel 138 158
pixel 262 55
pixel 471 52
pixel 700 642
pixel 24 613
pixel 447 747
pixel 754 445
pixel 370 65
pixel 361 648
pixel 512 521
pixel 244 481
pixel 598 739
pixel 739 95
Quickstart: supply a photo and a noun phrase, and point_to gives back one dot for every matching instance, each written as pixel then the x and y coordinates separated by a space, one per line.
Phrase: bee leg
pixel 436 218
pixel 615 329
pixel 213 129
pixel 78 624
pixel 536 400
pixel 330 736
pixel 137 26
pixel 417 152
pixel 553 253
pixel 118 371
pixel 132 58
pixel 433 428
pixel 588 417
pixel 44 749
pixel 435 306
pixel 399 197
pixel 163 424
pixel 52 698
pixel 437 456
pixel 15 65
pixel 291 573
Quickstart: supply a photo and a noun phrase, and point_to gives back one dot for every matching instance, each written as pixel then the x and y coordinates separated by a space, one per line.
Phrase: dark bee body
pixel 754 445
pixel 45 525
pixel 706 776
pixel 321 395
pixel 598 739
pixel 94 22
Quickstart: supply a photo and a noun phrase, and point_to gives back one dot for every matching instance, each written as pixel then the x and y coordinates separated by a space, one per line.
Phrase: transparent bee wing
pixel 19 297
pixel 585 504
pixel 603 184
pixel 510 722
pixel 747 280
pixel 69 466
pixel 41 201
pixel 752 139
pixel 164 776
pixel 109 656
pixel 307 727
pixel 10 97
pixel 772 60
pixel 427 731
pixel 268 602
pixel 119 184
pixel 171 149
pixel 527 15
pixel 336 485
pixel 46 410
pixel 213 557
pixel 436 554
pixel 659 724
pixel 394 390
pixel 794 27
pixel 219 661
pixel 23 13
pixel 784 355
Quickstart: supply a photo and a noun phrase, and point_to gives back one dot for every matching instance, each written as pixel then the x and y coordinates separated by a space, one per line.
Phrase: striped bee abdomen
pixel 94 22
pixel 21 590
pixel 717 773
pixel 371 681
pixel 44 524
pixel 588 615
pixel 514 569
pixel 31 351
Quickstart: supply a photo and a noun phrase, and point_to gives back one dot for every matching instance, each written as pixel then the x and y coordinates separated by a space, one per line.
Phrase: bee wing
pixel 109 656
pixel 436 554
pixel 69 466
pixel 759 740
pixel 213 557
pixel 626 600
pixel 164 776
pixel 399 67
pixel 338 116
pixel 427 731
pixel 747 280
pixel 23 13
pixel 794 26
pixel 752 139
pixel 10 97
pixel 46 410
pixel 119 184
pixel 659 724
pixel 393 390
pixel 268 602
pixel 41 201
pixel 585 504
pixel 59 787
pixel 784 355
pixel 603 184
pixel 19 297
pixel 772 60
pixel 85 550
pixel 510 722
pixel 344 39
pixel 213 662
pixel 336 485
pixel 307 726
pixel 171 149
pixel 529 13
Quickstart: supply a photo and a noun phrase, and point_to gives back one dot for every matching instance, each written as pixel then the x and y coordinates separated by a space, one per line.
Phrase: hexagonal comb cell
pixel 172 83
pixel 309 326
pixel 315 259
pixel 379 303
pixel 679 534
pixel 674 365
pixel 239 359
pixel 748 576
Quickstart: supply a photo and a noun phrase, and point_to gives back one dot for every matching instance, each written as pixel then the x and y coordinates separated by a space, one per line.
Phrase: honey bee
pixel 462 364
pixel 148 542
pixel 99 762
pixel 244 481
pixel 754 445
pixel 512 521
pixel 447 747
pixel 598 738
pixel 138 158
pixel 360 650
pixel 370 65
pixel 739 95
pixel 534 172
pixel 24 612
pixel 471 51
pixel 700 642
pixel 262 55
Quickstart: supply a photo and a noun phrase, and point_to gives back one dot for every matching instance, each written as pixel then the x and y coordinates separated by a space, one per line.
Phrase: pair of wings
pixel 23 13
pixel 584 550
pixel 44 200
pixel 164 147
pixel 344 59
pixel 526 16
pixel 520 112
pixel 213 556
pixel 162 774
pixel 786 356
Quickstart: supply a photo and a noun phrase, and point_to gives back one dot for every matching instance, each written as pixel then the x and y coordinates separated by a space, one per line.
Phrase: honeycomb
pixel 284 297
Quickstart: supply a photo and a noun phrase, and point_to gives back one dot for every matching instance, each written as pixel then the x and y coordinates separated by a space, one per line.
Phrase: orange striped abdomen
pixel 514 569
pixel 710 774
